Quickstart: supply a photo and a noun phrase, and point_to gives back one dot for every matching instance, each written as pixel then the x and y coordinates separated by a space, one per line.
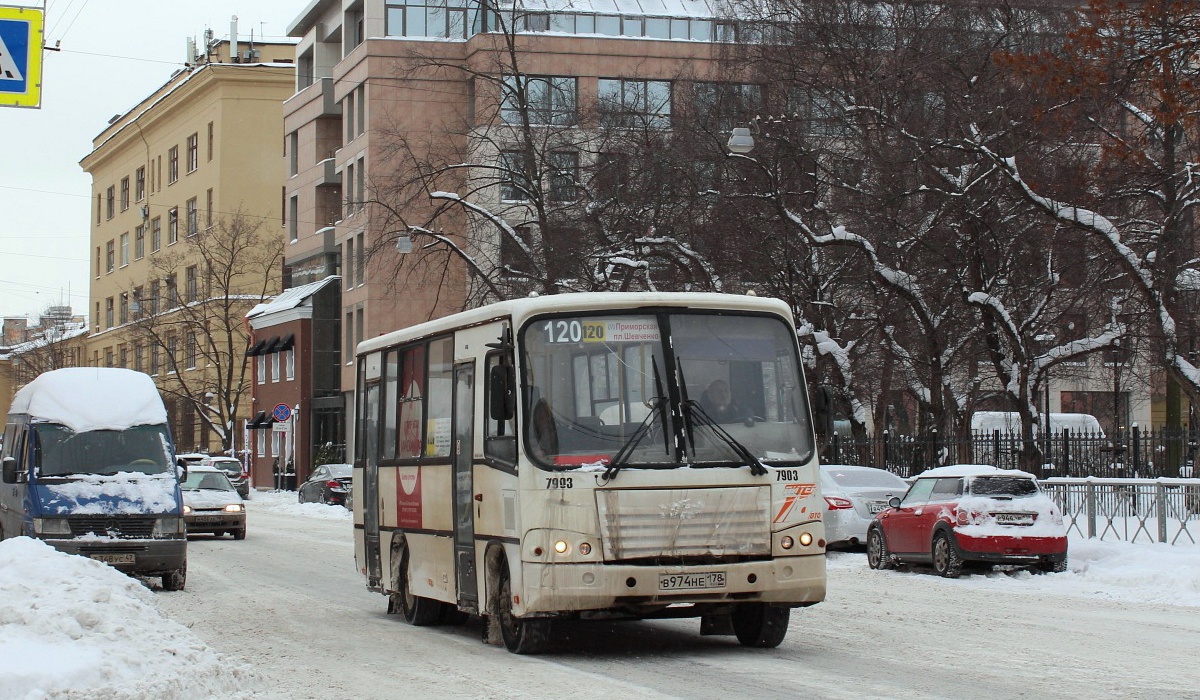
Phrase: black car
pixel 328 483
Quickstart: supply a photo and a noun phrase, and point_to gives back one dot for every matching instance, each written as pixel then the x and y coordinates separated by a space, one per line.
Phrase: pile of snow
pixel 287 503
pixel 73 628
pixel 1123 571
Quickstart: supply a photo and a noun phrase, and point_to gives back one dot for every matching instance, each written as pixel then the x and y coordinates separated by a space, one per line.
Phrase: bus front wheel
pixel 521 635
pixel 417 611
pixel 760 625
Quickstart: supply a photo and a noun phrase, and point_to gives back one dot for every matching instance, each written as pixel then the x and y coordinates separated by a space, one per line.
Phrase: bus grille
pixel 681 523
pixel 123 527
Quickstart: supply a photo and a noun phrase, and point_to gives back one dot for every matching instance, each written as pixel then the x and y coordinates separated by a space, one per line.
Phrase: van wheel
pixel 760 625
pixel 946 560
pixel 417 611
pixel 521 635
pixel 174 580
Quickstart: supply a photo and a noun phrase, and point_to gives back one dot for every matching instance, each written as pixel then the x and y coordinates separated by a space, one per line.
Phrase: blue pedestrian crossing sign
pixel 21 56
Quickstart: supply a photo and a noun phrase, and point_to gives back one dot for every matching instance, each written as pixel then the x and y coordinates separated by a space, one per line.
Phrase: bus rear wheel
pixel 521 635
pixel 417 611
pixel 760 625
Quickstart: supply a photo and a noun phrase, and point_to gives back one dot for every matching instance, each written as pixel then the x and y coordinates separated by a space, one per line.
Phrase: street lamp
pixel 740 141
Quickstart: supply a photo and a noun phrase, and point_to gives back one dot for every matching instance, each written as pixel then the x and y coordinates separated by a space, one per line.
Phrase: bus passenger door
pixel 464 491
pixel 369 442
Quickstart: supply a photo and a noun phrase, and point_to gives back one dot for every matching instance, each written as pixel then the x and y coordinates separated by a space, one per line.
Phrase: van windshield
pixel 60 451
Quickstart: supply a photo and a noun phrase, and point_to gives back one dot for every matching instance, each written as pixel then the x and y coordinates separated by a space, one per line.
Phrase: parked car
pixel 238 476
pixel 328 483
pixel 853 495
pixel 212 504
pixel 968 514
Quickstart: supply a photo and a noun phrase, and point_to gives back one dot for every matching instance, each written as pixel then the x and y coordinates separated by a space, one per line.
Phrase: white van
pixel 1010 422
pixel 89 457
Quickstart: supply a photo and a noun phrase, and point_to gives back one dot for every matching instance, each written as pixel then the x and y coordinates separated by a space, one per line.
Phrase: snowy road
pixel 288 601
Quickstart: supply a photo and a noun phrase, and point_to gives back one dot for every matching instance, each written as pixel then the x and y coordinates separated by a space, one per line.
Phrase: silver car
pixel 853 495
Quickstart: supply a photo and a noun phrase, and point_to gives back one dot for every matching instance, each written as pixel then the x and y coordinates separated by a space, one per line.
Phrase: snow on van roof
pixel 91 398
pixel 972 470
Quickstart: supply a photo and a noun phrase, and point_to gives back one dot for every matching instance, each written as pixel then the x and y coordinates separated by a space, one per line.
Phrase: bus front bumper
pixel 580 587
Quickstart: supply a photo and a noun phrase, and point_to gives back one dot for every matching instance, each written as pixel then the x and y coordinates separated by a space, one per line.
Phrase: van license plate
pixel 115 558
pixel 686 582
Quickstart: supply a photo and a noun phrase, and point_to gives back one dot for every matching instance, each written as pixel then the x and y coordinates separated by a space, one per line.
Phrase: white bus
pixel 602 455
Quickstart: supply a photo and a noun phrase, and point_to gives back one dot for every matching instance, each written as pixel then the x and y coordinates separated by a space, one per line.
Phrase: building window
pixel 139 242
pixel 208 204
pixel 173 225
pixel 99 206
pixel 173 165
pixel 210 141
pixel 635 103
pixel 139 184
pixel 193 153
pixel 124 193
pixel 172 359
pixel 190 284
pixel 293 214
pixel 292 146
pixel 514 182
pixel 109 256
pixel 350 194
pixel 124 249
pixel 722 106
pixel 360 185
pixel 108 312
pixel 139 358
pixel 110 196
pixel 172 289
pixel 360 262
pixel 108 357
pixel 193 223
pixel 152 299
pixel 156 234
pixel 348 116
pixel 153 358
pixel 275 366
pixel 564 174
pixel 123 309
pixel 290 363
pixel 190 350
pixel 348 345
pixel 348 262
pixel 97 261
pixel 261 374
pixel 135 304
pixel 551 100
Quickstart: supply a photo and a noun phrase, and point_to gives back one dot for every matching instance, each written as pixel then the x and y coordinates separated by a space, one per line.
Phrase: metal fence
pixel 1132 510
pixel 1132 454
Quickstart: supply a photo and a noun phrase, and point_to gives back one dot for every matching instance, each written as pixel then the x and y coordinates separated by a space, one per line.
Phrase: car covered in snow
pixel 211 504
pixel 969 515
pixel 853 495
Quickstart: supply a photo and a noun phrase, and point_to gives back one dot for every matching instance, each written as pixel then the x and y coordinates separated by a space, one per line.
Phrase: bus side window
pixel 500 436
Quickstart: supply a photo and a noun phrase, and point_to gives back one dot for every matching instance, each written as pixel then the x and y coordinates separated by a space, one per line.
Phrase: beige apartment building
pixel 370 71
pixel 198 154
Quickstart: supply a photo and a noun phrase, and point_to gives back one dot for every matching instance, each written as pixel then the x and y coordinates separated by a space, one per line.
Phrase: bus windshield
pixel 724 389
pixel 60 451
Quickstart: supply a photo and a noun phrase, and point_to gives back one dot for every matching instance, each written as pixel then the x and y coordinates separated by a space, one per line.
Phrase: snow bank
pixel 287 503
pixel 74 629
pixel 92 398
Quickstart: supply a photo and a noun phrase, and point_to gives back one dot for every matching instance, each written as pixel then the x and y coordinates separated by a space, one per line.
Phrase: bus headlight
pixel 805 539
pixel 45 527
pixel 786 542
pixel 561 546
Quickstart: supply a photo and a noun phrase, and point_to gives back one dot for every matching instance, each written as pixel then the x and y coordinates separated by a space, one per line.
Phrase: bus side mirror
pixel 823 408
pixel 10 470
pixel 181 470
pixel 502 390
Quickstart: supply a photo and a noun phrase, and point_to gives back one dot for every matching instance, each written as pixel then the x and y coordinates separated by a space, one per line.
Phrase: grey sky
pixel 114 53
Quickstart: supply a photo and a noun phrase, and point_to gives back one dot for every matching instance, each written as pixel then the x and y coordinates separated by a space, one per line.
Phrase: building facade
pixel 185 230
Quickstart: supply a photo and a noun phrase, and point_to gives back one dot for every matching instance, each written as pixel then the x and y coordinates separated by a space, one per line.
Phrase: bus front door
pixel 464 505
pixel 370 506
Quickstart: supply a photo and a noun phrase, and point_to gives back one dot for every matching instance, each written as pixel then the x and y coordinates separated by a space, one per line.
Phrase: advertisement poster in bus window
pixel 408 497
pixel 411 377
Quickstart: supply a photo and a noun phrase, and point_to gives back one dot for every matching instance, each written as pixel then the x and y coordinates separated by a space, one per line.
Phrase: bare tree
pixel 188 322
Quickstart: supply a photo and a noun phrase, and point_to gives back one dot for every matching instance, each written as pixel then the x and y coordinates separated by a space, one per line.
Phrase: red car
pixel 969 514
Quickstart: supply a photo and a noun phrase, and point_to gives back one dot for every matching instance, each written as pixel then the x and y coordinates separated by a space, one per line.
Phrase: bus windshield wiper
pixel 658 405
pixel 694 413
